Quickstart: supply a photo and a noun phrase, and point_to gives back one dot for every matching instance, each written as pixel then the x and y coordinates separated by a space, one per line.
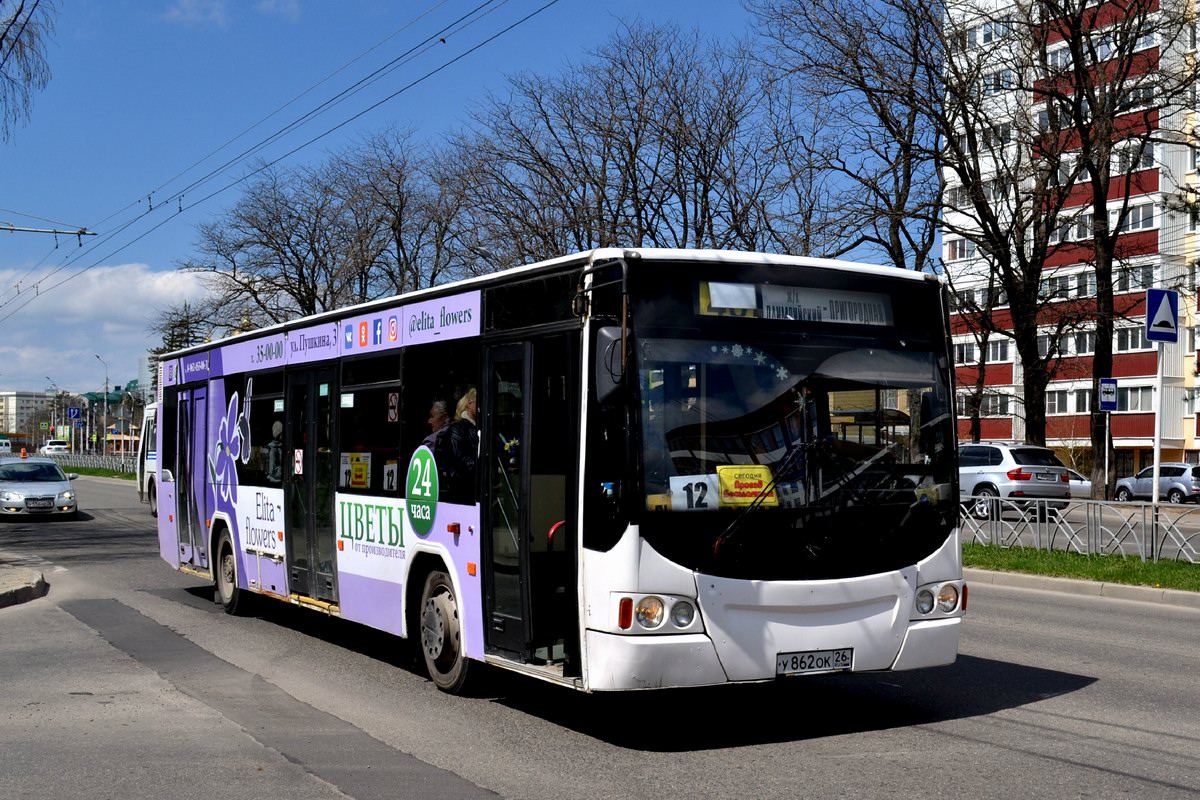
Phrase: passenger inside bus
pixel 456 452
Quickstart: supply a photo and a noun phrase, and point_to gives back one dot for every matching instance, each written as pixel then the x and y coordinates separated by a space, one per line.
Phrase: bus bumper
pixel 650 662
pixel 929 643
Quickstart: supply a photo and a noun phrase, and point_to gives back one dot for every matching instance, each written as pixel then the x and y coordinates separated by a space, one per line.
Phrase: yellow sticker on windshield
pixel 741 485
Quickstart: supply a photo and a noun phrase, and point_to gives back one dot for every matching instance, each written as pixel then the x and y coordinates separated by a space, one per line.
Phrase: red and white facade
pixel 1159 247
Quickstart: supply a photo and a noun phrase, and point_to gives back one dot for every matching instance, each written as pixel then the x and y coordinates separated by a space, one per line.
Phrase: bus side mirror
pixel 609 375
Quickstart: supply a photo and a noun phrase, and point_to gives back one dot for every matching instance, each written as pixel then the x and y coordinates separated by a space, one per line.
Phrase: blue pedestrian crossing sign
pixel 1162 315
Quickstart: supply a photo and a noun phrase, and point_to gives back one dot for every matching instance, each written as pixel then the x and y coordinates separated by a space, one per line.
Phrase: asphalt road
pixel 126 681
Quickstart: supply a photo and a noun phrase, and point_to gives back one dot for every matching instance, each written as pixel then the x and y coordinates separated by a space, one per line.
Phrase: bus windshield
pixel 795 455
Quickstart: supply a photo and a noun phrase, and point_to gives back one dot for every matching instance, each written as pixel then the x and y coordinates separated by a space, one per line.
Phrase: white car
pixel 54 446
pixel 1081 487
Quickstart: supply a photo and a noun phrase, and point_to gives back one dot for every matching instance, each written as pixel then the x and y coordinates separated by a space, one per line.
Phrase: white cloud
pixel 105 311
pixel 289 9
pixel 198 12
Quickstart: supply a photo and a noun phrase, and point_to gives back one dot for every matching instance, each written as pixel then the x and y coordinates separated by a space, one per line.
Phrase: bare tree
pixel 1022 111
pixel 656 141
pixel 873 78
pixel 421 202
pixel 25 27
pixel 297 243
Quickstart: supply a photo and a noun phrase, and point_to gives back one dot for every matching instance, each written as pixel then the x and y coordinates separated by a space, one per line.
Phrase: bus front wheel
pixel 231 598
pixel 153 499
pixel 441 634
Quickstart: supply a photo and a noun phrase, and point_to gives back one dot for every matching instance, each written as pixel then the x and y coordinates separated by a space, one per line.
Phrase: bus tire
pixel 234 600
pixel 153 494
pixel 441 634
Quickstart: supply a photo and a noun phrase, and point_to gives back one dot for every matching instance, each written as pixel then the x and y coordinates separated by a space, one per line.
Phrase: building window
pixel 964 353
pixel 1083 227
pixel 999 81
pixel 1132 156
pixel 1135 398
pixel 1056 402
pixel 1085 284
pixel 1131 339
pixel 1048 344
pixel 1136 97
pixel 997 351
pixel 958 249
pixel 1061 232
pixel 995 30
pixel 1130 279
pixel 1057 286
pixel 1138 218
pixel 994 405
pixel 1085 342
pixel 1083 401
pixel 997 135
pixel 1059 60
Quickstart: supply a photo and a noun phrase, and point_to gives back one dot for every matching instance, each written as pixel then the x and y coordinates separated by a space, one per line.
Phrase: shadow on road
pixel 790 710
pixel 715 717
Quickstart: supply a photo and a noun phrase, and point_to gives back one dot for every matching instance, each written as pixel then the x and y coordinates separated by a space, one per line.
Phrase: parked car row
pixel 1026 474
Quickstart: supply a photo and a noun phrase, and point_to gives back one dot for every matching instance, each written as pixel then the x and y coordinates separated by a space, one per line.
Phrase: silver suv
pixel 1016 472
pixel 1177 482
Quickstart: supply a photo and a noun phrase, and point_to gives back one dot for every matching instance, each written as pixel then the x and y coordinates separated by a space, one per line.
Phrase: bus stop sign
pixel 1108 394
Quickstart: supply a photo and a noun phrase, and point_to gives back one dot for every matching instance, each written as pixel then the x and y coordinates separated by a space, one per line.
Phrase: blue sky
pixel 144 90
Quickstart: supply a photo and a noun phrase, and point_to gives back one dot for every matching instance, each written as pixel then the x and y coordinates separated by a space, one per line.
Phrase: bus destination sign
pixel 797 303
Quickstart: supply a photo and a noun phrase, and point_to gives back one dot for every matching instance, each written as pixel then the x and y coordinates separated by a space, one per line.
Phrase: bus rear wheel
pixel 441 634
pixel 153 499
pixel 234 600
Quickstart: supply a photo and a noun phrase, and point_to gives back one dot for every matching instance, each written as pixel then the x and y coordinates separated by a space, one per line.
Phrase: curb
pixel 1115 591
pixel 20 585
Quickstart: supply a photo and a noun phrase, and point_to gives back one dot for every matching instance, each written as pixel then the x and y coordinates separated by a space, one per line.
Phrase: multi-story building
pixel 21 413
pixel 1019 59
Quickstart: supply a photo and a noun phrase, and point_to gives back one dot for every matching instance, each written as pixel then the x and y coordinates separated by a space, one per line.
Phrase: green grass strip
pixel 101 473
pixel 1103 568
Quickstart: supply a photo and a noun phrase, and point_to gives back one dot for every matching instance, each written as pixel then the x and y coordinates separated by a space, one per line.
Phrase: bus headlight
pixel 649 612
pixel 924 601
pixel 682 614
pixel 947 599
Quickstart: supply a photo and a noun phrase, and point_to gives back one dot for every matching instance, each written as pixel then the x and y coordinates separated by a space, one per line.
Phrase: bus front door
pixel 531 427
pixel 191 487
pixel 308 485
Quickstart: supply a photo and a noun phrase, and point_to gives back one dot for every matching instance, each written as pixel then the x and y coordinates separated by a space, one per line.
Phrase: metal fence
pixel 1166 532
pixel 126 463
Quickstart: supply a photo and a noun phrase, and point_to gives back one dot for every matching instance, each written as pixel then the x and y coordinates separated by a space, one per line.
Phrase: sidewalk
pixel 22 584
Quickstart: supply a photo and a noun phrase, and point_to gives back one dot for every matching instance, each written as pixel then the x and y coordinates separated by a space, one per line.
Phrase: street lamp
pixel 104 438
pixel 54 406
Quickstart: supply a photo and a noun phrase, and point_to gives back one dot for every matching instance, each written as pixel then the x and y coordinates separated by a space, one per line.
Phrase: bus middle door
pixel 191 473
pixel 308 485
pixel 531 424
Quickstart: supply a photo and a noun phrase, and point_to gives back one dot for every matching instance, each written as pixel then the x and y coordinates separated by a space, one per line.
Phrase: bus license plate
pixel 814 661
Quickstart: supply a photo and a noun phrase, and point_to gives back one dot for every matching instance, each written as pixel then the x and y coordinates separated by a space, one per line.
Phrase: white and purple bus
pixel 685 468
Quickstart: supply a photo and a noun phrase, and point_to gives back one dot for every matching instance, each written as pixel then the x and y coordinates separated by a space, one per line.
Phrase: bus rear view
pixel 787 505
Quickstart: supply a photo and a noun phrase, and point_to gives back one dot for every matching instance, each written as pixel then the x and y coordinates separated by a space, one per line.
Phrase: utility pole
pixel 104 438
